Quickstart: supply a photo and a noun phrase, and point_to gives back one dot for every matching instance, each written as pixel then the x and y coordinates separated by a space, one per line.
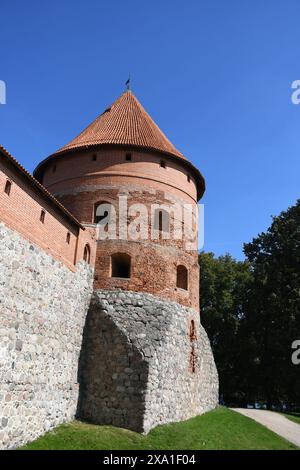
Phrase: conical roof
pixel 125 122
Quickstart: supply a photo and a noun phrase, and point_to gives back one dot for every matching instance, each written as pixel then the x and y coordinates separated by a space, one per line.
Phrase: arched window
pixel 162 220
pixel 87 253
pixel 182 277
pixel 120 265
pixel 68 238
pixel 162 164
pixel 102 212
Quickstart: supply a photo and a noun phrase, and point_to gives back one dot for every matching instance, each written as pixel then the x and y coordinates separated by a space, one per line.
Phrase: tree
pixel 251 312
pixel 225 284
pixel 273 315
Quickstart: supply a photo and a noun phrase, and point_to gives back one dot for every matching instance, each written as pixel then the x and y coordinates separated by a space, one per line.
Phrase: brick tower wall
pixel 82 180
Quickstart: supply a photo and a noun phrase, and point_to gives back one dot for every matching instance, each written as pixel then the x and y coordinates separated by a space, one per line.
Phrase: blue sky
pixel 215 75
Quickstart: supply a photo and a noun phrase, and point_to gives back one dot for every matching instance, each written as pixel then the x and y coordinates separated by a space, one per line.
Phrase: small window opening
pixel 42 216
pixel 189 178
pixel 68 238
pixel 128 157
pixel 7 187
pixel 94 157
pixel 163 164
pixel 107 110
pixel 162 220
pixel 193 335
pixel 120 265
pixel 182 277
pixel 87 254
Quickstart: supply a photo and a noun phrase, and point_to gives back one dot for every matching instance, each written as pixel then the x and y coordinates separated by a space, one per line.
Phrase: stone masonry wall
pixel 42 313
pixel 144 362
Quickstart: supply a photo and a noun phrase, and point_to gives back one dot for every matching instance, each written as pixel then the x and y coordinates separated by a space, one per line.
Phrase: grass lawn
pixel 218 429
pixel 293 417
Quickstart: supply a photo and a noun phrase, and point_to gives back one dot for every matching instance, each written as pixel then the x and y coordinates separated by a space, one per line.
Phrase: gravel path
pixel 275 422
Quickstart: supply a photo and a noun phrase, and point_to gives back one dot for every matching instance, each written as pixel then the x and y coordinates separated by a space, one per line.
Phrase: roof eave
pixel 200 181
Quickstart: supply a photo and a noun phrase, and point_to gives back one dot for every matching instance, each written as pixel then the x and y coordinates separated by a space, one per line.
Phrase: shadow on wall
pixel 112 374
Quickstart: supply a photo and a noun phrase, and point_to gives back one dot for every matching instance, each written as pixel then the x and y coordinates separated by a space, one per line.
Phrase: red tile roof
pixel 125 122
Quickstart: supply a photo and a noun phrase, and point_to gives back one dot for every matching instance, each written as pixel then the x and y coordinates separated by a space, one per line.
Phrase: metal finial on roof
pixel 128 83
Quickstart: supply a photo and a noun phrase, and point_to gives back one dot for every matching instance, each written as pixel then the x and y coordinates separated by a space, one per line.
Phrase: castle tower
pixel 123 153
pixel 145 359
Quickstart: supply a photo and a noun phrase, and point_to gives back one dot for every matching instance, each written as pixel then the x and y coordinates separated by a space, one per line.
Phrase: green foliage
pixel 225 284
pixel 274 308
pixel 218 429
pixel 251 311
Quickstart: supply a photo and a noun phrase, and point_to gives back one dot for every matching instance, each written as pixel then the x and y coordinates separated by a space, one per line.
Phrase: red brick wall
pixel 80 182
pixel 78 169
pixel 153 270
pixel 21 210
pixel 87 237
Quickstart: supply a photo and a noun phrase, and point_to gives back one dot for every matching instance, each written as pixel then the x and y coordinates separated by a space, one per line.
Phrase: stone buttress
pixel 144 362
